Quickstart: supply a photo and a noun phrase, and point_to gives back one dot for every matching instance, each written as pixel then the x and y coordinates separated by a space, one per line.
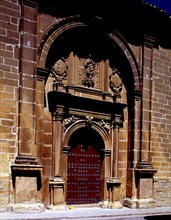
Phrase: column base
pixel 139 203
pixel 111 205
pixel 57 192
pixel 57 207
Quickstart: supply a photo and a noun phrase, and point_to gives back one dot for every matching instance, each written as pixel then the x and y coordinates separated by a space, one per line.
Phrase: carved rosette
pixel 59 70
pixel 115 82
pixel 89 73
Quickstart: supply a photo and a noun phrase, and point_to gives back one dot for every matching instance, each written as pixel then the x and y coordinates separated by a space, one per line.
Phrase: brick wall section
pixel 161 124
pixel 9 79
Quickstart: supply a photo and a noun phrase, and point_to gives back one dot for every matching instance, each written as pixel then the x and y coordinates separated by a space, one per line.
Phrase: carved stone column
pixel 56 181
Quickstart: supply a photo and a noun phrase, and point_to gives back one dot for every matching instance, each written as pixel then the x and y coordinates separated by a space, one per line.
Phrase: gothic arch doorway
pixel 84 185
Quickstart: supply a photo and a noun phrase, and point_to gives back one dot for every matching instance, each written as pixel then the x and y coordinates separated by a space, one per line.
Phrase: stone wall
pixel 9 85
pixel 25 125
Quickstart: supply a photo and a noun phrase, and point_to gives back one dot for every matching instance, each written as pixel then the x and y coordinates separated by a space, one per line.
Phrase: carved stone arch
pixel 59 27
pixel 52 33
pixel 118 39
pixel 82 123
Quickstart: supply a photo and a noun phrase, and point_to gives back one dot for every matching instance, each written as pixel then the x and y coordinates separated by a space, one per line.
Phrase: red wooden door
pixel 83 184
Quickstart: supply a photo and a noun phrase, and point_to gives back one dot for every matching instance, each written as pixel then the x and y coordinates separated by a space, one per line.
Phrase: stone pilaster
pixel 56 182
pixel 113 182
pixel 143 171
pixel 26 172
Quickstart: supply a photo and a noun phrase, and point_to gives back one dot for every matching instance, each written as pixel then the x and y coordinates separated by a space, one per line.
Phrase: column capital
pixel 58 114
pixel 117 121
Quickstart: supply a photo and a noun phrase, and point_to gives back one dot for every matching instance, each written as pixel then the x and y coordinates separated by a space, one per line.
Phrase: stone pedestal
pixel 26 176
pixel 56 185
pixel 113 186
pixel 144 187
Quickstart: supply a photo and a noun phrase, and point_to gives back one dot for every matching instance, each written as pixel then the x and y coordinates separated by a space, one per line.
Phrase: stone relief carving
pixel 69 121
pixel 115 82
pixel 105 125
pixel 89 121
pixel 60 70
pixel 89 72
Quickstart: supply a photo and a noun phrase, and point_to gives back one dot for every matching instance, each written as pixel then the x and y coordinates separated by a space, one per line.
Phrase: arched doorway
pixel 84 167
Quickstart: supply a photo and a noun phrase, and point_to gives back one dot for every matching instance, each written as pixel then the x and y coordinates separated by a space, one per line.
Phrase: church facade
pixel 85 105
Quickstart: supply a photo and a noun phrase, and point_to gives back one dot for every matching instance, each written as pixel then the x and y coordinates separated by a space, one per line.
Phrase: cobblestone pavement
pixel 94 213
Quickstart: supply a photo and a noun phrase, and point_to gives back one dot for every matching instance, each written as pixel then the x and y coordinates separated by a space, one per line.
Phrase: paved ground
pixel 95 213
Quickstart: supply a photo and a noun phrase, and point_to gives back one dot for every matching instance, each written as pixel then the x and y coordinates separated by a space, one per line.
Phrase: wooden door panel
pixel 83 184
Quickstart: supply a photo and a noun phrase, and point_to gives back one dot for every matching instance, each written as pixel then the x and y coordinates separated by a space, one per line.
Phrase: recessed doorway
pixel 84 167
